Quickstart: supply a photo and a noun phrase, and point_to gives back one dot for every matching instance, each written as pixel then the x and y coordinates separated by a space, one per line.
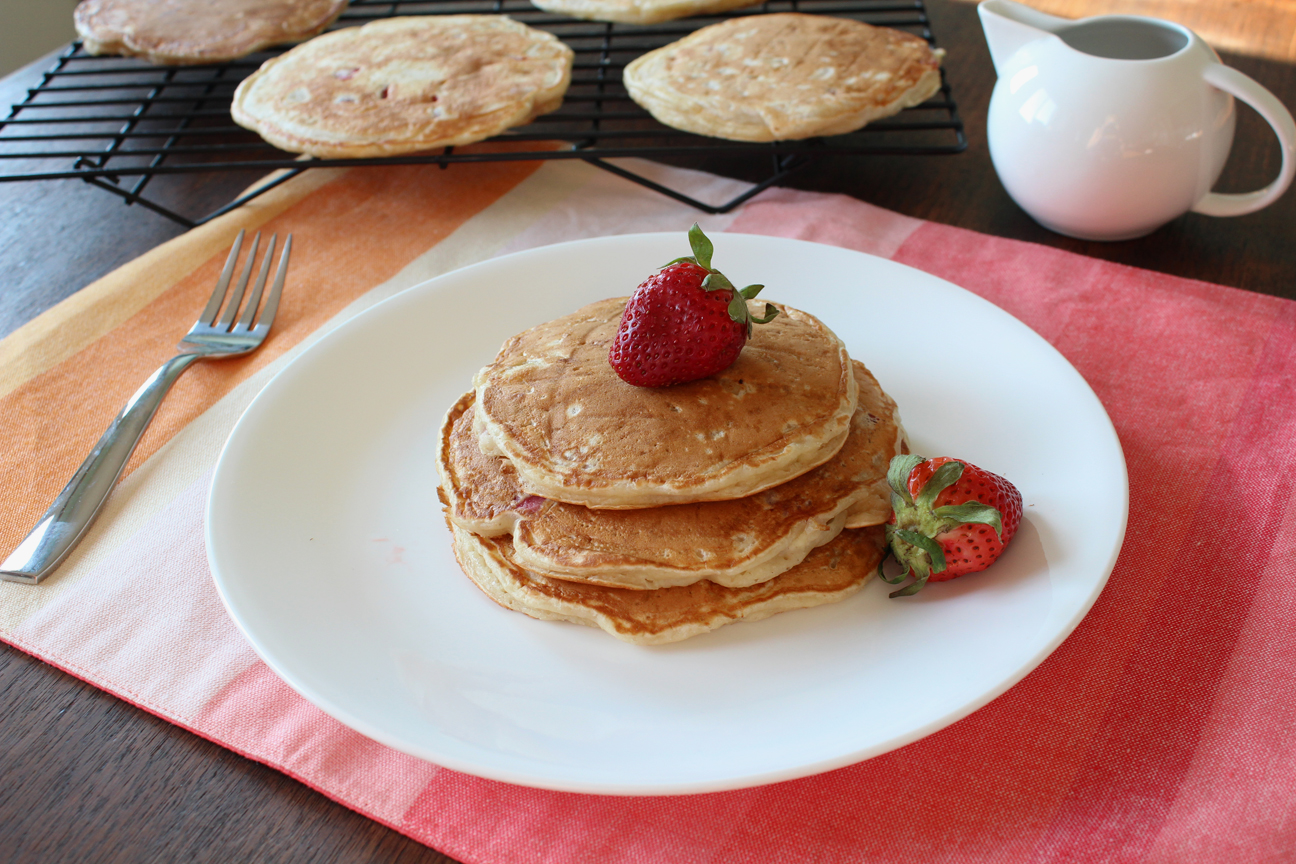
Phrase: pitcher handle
pixel 1279 118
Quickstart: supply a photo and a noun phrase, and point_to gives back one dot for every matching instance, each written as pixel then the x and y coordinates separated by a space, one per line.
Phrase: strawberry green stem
pixel 701 246
pixel 717 281
pixel 912 536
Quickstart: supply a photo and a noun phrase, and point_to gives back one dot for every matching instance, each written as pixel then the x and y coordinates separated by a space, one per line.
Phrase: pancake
pixel 830 573
pixel 402 85
pixel 577 433
pixel 733 543
pixel 639 11
pixel 783 76
pixel 198 31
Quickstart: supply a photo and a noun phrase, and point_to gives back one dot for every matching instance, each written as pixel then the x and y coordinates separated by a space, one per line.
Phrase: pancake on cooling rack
pixel 639 11
pixel 575 432
pixel 829 573
pixel 402 85
pixel 198 31
pixel 734 543
pixel 783 76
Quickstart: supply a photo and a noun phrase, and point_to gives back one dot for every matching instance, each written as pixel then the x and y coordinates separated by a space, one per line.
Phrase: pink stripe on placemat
pixel 260 716
pixel 1198 380
pixel 1248 742
pixel 146 623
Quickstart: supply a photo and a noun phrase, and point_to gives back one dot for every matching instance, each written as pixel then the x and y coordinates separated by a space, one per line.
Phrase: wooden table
pixel 87 777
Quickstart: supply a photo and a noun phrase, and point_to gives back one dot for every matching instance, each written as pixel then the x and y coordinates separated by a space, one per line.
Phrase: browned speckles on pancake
pixel 783 76
pixel 576 432
pixel 198 31
pixel 401 85
pixel 735 543
pixel 480 492
pixel 828 574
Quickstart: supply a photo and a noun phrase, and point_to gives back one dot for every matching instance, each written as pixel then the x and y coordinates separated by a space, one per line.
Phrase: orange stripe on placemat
pixel 97 309
pixel 350 236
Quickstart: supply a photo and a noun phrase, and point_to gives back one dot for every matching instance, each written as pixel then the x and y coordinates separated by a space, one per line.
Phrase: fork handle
pixel 74 509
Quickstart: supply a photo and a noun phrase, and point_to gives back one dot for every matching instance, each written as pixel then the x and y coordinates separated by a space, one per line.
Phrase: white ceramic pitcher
pixel 1106 128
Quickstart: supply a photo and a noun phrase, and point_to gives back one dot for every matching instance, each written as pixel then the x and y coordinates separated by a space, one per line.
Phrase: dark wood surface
pixel 87 778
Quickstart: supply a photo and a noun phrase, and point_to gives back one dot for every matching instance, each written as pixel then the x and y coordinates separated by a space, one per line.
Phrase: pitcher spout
pixel 1008 26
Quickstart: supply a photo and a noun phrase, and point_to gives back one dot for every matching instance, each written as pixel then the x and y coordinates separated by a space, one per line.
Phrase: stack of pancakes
pixel 661 513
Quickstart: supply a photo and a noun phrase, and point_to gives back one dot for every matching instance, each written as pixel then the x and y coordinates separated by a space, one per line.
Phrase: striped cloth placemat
pixel 1160 731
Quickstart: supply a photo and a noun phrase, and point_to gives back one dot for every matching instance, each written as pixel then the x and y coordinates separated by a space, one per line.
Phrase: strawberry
pixel 684 323
pixel 950 518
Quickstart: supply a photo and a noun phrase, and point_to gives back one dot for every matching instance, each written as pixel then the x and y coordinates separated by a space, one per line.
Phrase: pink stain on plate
pixel 397 555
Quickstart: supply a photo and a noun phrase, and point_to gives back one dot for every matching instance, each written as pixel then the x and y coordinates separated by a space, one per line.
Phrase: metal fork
pixel 211 337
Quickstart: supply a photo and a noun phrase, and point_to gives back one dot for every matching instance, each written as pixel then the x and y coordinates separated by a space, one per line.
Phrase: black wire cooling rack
pixel 121 123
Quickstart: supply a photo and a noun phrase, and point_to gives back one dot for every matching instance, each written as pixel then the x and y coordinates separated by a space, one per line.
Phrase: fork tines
pixel 235 299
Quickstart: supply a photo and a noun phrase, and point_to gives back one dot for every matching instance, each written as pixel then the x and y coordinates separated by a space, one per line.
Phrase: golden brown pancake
pixel 577 433
pixel 830 573
pixel 198 31
pixel 401 85
pixel 734 543
pixel 639 11
pixel 783 76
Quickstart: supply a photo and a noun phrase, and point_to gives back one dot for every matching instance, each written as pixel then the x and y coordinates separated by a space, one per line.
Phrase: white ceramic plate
pixel 328 545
